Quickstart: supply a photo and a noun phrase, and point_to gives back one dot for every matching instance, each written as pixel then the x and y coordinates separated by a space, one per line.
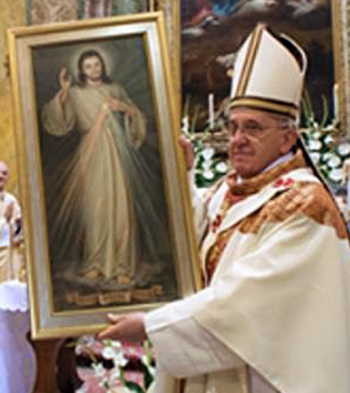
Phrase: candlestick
pixel 335 101
pixel 211 111
pixel 185 125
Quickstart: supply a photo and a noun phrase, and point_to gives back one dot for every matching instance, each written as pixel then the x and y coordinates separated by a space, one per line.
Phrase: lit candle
pixel 335 101
pixel 185 125
pixel 211 111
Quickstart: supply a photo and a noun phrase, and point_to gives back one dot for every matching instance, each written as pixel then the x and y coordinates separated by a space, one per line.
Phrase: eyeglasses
pixel 250 128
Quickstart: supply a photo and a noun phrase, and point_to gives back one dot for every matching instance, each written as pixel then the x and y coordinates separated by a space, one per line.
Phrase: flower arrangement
pixel 211 160
pixel 115 367
pixel 210 165
pixel 327 147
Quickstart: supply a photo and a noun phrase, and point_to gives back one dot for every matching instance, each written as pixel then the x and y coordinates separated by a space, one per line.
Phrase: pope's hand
pixel 187 147
pixel 127 327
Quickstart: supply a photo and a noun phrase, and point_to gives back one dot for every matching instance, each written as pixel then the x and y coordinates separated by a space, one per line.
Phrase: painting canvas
pixel 107 218
pixel 213 30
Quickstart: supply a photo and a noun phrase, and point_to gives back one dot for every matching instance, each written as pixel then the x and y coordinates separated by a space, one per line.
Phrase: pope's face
pixel 4 175
pixel 256 140
pixel 92 69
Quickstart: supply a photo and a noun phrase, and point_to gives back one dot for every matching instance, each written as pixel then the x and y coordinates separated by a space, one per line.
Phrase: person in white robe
pixel 11 260
pixel 274 314
pixel 96 181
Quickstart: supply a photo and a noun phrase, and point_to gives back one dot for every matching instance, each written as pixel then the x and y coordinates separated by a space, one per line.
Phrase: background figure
pixel 97 203
pixel 11 261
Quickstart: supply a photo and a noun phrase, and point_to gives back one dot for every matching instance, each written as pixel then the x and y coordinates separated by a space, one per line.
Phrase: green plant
pixel 210 164
pixel 328 149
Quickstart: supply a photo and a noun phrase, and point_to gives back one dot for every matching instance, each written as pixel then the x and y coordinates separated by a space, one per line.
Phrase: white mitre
pixel 269 73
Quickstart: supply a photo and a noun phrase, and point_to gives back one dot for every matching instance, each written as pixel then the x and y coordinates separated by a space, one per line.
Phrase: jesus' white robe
pixel 95 182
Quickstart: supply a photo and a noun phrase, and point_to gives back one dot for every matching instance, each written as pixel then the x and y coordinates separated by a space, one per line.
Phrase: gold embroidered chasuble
pixel 276 260
pixel 310 199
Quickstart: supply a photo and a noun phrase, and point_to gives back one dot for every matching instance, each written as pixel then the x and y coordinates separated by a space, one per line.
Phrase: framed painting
pixel 171 11
pixel 103 185
pixel 210 32
pixel 341 48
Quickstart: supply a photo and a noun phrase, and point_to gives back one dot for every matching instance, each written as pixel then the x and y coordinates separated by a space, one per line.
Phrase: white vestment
pixel 275 316
pixel 11 263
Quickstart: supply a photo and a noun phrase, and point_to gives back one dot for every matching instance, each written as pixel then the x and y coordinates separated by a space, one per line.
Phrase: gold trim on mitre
pixel 250 58
pixel 266 105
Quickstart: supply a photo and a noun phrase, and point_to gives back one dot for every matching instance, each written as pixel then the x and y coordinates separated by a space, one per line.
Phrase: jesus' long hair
pixel 86 55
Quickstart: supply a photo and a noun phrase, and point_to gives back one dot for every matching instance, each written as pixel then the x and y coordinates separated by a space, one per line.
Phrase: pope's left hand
pixel 127 327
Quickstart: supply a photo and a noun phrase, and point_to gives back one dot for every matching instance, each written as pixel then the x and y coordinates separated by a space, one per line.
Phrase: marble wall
pixel 12 14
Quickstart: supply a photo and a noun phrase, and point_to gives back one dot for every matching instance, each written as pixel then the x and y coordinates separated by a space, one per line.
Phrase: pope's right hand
pixel 187 147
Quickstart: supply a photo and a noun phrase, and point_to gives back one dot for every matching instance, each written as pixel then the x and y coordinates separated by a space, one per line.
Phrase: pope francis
pixel 274 316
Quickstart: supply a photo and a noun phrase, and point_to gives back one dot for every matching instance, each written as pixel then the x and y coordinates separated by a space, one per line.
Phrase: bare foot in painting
pixel 92 274
pixel 123 279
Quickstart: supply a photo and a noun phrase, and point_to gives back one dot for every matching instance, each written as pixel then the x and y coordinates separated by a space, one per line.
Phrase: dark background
pixel 215 28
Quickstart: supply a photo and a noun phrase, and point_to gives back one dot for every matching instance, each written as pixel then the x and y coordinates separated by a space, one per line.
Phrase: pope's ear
pixel 290 138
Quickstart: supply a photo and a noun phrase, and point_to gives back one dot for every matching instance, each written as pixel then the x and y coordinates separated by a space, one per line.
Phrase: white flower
pixel 314 145
pixel 116 344
pixel 79 349
pixel 327 156
pixel 83 344
pixel 328 140
pixel 185 125
pixel 335 175
pixel 208 174
pixel 206 164
pixel 315 157
pixel 119 359
pixel 316 135
pixel 152 371
pixel 108 352
pixel 99 370
pixel 221 167
pixel 334 162
pixel 344 149
pixel 313 125
pixel 208 153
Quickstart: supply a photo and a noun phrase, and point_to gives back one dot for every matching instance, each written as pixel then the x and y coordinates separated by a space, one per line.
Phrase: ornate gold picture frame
pixel 341 48
pixel 106 213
